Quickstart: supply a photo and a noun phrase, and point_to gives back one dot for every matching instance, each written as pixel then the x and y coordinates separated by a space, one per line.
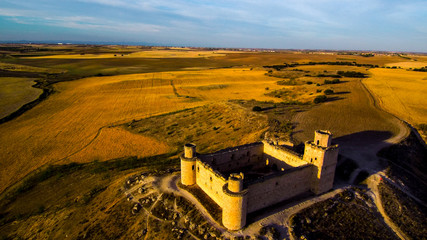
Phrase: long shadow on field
pixel 343 92
pixel 333 99
pixel 363 139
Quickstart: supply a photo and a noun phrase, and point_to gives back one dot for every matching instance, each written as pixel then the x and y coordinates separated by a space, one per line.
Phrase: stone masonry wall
pixel 210 182
pixel 235 158
pixel 282 157
pixel 279 188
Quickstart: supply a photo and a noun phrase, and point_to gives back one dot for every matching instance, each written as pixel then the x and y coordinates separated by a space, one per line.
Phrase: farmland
pixel 75 116
pixel 401 92
pixel 11 99
pixel 79 121
pixel 110 110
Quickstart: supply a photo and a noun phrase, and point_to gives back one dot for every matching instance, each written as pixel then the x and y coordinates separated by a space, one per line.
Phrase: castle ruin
pixel 248 178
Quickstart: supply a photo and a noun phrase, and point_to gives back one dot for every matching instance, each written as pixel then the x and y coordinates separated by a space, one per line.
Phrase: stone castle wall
pixel 276 189
pixel 217 174
pixel 210 181
pixel 282 157
pixel 235 158
pixel 324 160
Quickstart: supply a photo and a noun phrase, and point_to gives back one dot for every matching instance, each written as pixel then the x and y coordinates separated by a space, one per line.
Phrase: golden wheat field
pixel 410 64
pixel 401 92
pixel 66 126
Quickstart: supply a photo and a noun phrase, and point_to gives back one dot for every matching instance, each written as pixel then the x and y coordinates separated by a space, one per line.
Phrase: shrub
pixel 423 127
pixel 309 82
pixel 263 231
pixel 352 74
pixel 256 109
pixel 320 98
pixel 328 91
pixel 335 81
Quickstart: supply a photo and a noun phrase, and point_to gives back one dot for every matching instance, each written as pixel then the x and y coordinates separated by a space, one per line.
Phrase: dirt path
pixel 168 184
pixel 373 182
pixel 404 129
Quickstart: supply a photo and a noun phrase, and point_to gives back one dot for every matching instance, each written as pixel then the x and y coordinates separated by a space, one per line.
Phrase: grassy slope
pixel 350 112
pixel 15 92
pixel 345 216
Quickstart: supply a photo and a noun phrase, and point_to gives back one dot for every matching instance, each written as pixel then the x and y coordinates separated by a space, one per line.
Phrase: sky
pixel 390 25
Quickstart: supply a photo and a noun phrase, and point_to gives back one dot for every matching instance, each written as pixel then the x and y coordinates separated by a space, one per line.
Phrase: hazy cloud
pixel 267 23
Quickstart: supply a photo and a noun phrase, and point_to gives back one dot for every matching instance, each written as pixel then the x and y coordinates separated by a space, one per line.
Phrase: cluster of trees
pixel 357 54
pixel 335 81
pixel 422 69
pixel 340 63
pixel 352 74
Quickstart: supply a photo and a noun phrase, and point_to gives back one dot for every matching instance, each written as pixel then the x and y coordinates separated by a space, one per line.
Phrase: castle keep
pixel 248 178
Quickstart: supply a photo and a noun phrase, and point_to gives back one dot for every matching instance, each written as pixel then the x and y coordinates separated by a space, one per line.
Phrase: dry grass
pixel 410 64
pixel 118 143
pixel 24 68
pixel 212 127
pixel 61 128
pixel 401 92
pixel 175 53
pixel 15 92
pixel 350 111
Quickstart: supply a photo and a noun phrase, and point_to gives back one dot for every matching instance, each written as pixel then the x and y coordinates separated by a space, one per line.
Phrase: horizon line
pixel 146 44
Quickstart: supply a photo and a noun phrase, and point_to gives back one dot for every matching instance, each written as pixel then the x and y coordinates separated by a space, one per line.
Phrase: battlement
pixel 250 177
pixel 312 144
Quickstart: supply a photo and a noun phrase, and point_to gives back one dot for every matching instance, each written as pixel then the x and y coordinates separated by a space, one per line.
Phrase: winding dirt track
pixel 373 182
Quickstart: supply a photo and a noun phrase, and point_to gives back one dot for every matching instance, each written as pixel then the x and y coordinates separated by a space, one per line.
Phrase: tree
pixel 320 98
pixel 328 92
pixel 256 109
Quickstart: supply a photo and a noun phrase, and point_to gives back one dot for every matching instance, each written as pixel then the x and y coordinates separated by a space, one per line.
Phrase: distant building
pixel 248 178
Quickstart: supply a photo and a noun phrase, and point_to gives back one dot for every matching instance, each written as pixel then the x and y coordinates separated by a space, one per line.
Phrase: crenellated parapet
pixel 235 202
pixel 251 177
pixel 188 165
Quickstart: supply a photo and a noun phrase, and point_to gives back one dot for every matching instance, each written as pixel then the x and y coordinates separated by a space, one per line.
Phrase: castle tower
pixel 188 165
pixel 235 203
pixel 323 155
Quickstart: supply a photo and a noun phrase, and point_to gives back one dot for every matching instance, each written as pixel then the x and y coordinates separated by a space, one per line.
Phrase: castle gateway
pixel 248 178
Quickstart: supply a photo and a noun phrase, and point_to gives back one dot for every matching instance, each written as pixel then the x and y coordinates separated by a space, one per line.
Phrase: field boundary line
pixel 408 126
pixel 404 127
